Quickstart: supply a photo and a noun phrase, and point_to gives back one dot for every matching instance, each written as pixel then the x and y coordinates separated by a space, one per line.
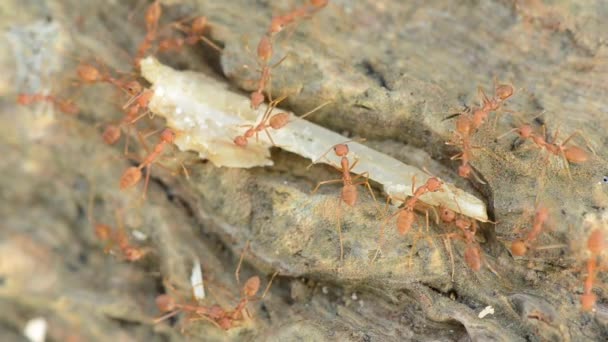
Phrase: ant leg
pixel 326 182
pixel 269 136
pixel 166 316
pixel 498 114
pixel 477 176
pixel 413 245
pixel 237 272
pixel 484 97
pixel 428 233
pixel 354 164
pixel 381 237
pixel 148 167
pixel 210 43
pixel 142 141
pixel 127 138
pixel 269 284
pixel 457 156
pixel 380 240
pixel 448 246
pixel 582 136
pixel 563 155
pixel 340 230
pixel 186 172
pixel 279 62
pixel 428 237
pixel 367 185
pixel 314 109
pixel 413 184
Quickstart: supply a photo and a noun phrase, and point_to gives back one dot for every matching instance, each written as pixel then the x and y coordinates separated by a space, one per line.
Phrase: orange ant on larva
pixel 349 192
pixel 264 54
pixel 141 98
pixel 268 120
pixel 405 214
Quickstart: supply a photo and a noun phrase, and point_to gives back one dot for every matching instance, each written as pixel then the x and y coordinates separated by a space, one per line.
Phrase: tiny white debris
pixel 178 111
pixel 159 91
pixel 196 279
pixel 324 290
pixel 489 310
pixel 139 235
pixel 354 296
pixel 35 329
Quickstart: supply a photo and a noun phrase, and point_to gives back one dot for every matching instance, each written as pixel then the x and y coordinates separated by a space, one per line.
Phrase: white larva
pixel 210 116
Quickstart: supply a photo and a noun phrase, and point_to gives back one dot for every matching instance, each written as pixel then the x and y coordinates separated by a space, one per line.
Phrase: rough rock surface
pixel 393 71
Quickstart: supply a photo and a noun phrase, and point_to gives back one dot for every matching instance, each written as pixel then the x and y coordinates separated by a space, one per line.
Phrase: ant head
pixel 240 141
pixel 133 87
pixel 542 214
pixel 103 231
pixel 465 170
pixel 252 285
pixel 199 24
pixel 504 91
pixel 133 253
pixel 256 99
pixel 446 215
pixel 153 14
pixel 165 303
pixel 463 125
pixel 519 248
pixel 24 99
pixel 434 184
pixel 525 131
pixel 605 180
pixel 167 135
pixel 276 25
pixel 595 242
pixel 88 73
pixel 341 150
pixel 68 107
pixel 319 3
pixel 588 301
pixel 463 224
pixel 144 98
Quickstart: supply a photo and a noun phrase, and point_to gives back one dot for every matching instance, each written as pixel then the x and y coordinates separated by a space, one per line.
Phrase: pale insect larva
pixel 208 116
